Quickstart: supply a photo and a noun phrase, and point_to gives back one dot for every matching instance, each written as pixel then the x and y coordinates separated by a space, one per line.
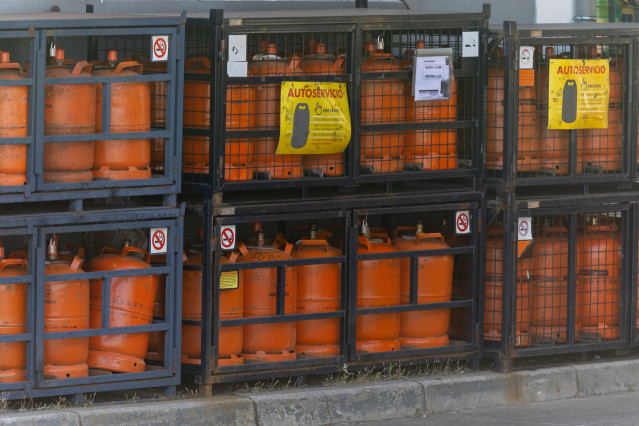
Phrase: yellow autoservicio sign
pixel 314 118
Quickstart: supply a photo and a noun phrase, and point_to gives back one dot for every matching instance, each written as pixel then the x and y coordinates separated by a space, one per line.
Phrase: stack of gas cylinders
pixel 72 305
pixel 542 285
pixel 73 109
pixel 544 151
pixel 257 107
pixel 317 288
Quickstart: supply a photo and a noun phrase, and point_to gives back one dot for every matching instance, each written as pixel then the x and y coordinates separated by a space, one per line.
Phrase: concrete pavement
pixel 396 399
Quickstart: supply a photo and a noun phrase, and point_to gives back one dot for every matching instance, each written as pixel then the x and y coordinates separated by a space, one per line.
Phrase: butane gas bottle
pixel 267 342
pixel 13 320
pixel 14 115
pixel 231 306
pixel 425 329
pixel 130 112
pixel 378 284
pixel 66 308
pixel 598 281
pixel 318 290
pixel 132 302
pixel 69 109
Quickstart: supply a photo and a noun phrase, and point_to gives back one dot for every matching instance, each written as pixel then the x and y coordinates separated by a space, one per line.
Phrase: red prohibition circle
pixel 159 47
pixel 462 222
pixel 158 240
pixel 227 236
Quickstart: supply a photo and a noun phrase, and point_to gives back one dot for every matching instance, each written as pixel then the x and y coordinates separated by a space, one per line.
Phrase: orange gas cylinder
pixel 239 116
pixel 14 113
pixel 155 350
pixel 616 73
pixel 69 109
pixel 13 320
pixel 383 102
pixel 158 112
pixel 378 284
pixel 130 112
pixel 601 150
pixel 554 145
pixel 132 302
pixel 66 308
pixel 267 115
pixel 549 297
pixel 321 63
pixel 493 291
pixel 318 290
pixel 267 342
pixel 430 149
pixel 527 138
pixel 598 281
pixel 230 307
pixel 425 329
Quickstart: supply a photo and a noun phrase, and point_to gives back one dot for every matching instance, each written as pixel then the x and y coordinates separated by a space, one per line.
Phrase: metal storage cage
pixel 557 277
pixel 520 148
pixel 236 65
pixel 72 326
pixel 111 127
pixel 413 274
pixel 324 320
pixel 275 305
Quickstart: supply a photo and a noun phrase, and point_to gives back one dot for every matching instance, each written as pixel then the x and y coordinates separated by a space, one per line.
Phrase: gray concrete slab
pixel 41 418
pixel 363 402
pixel 221 410
pixel 467 391
pixel 608 377
pixel 546 384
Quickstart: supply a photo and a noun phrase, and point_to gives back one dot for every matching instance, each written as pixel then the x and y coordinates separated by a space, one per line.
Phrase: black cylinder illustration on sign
pixel 301 120
pixel 569 106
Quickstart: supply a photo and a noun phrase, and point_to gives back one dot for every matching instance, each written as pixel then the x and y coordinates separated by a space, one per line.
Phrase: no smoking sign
pixel 524 229
pixel 462 222
pixel 159 48
pixel 157 240
pixel 227 237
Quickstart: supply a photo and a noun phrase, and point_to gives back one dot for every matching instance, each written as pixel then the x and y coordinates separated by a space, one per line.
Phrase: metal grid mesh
pixel 543 152
pixel 312 288
pixel 72 306
pixel 387 100
pixel 254 105
pixel 541 315
pixel 440 278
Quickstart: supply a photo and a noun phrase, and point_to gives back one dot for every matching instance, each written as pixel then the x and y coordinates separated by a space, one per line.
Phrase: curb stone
pixel 374 401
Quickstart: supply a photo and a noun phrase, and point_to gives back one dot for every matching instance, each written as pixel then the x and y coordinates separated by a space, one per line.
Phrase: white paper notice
pixel 432 78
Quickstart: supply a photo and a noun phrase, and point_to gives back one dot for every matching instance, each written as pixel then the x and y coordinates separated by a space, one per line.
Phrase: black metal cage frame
pixel 132 35
pixel 506 349
pixel 35 227
pixel 356 28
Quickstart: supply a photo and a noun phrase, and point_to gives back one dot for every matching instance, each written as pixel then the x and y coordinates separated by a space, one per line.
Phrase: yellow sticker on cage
pixel 314 118
pixel 229 280
pixel 578 92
